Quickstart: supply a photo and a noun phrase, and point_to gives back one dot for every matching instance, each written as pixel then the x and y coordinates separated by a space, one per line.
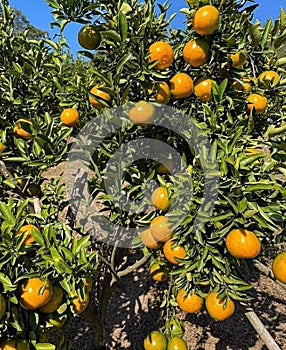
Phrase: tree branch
pixel 133 267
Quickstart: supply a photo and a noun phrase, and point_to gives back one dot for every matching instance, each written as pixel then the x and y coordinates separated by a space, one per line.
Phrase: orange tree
pixel 240 112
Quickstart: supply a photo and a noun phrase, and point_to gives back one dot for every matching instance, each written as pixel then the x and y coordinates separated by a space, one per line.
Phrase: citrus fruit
pixel 69 116
pixel 148 240
pixel 89 37
pixel 159 272
pixel 162 94
pixel 203 89
pixel 177 343
pixel 2 147
pixel 279 267
pixel 55 301
pixel 256 102
pixel 12 344
pixel 217 308
pixel 79 305
pixel 160 199
pixel 243 244
pixel 142 113
pixel 269 78
pixel 161 52
pixel 28 228
pixel 155 341
pixel 35 293
pixel 206 20
pixel 181 85
pixel 190 303
pixel 238 59
pixel 2 306
pixel 96 91
pixel 171 252
pixel 165 167
pixel 245 87
pixel 22 128
pixel 161 229
pixel 196 52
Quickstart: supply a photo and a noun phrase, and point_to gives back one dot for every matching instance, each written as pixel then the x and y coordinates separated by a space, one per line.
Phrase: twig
pixel 37 205
pixel 113 255
pixel 133 267
pixel 108 266
pixel 262 268
pixel 260 328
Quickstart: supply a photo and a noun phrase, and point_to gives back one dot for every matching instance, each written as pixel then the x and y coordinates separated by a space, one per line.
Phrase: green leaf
pixel 45 346
pixel 266 32
pixel 7 213
pixel 123 26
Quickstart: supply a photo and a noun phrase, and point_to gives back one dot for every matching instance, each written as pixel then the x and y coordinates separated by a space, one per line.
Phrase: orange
pixel 269 78
pixel 238 59
pixel 12 344
pixel 30 296
pixel 161 52
pixel 22 128
pixel 96 91
pixel 28 228
pixel 206 20
pixel 177 343
pixel 155 341
pixel 215 307
pixel 243 244
pixel 2 306
pixel 279 267
pixel 246 87
pixel 69 117
pixel 189 302
pixel 172 252
pixel 159 272
pixel 160 199
pixel 203 89
pixel 79 305
pixel 163 93
pixel 148 240
pixel 181 85
pixel 2 147
pixel 165 167
pixel 54 303
pixel 256 102
pixel 161 229
pixel 89 37
pixel 196 52
pixel 142 113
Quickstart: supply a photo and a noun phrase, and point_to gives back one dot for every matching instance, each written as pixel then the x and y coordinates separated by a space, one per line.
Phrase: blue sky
pixel 38 13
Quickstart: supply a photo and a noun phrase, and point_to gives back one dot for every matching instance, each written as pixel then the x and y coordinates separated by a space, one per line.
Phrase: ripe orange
pixel 13 344
pixel 177 343
pixel 206 20
pixel 279 267
pixel 96 91
pixel 165 167
pixel 243 244
pixel 172 252
pixel 256 102
pixel 79 305
pixel 89 37
pixel 215 307
pixel 54 303
pixel 160 199
pixel 238 59
pixel 142 113
pixel 30 296
pixel 161 52
pixel 22 128
pixel 269 78
pixel 155 341
pixel 246 87
pixel 2 306
pixel 189 302
pixel 161 229
pixel 159 272
pixel 69 116
pixel 196 52
pixel 163 93
pixel 2 147
pixel 203 89
pixel 148 240
pixel 28 228
pixel 181 85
